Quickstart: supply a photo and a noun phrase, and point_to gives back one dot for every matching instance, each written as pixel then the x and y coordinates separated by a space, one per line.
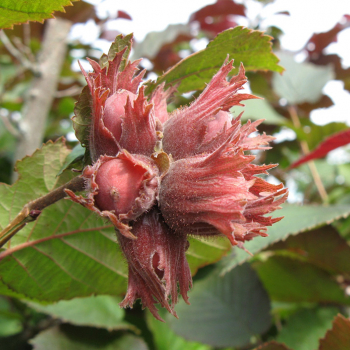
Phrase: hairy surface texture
pixel 160 177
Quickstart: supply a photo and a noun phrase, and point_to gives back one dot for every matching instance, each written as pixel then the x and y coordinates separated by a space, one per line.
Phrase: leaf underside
pixel 296 219
pixel 224 311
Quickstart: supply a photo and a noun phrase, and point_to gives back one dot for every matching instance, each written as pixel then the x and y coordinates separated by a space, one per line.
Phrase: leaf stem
pixel 32 210
pixel 305 149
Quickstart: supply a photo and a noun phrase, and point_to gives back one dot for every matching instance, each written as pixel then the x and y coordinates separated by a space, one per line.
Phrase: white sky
pixel 307 16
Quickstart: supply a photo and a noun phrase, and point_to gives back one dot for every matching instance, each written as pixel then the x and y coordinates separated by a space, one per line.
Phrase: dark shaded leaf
pixel 221 7
pixel 109 34
pixel 337 140
pixel 169 54
pixel 306 108
pixel 291 280
pixel 337 338
pixel 224 311
pixel 320 41
pixel 81 12
pixel 82 117
pixel 285 13
pixel 272 345
pixel 216 17
pixel 123 14
pixel 323 247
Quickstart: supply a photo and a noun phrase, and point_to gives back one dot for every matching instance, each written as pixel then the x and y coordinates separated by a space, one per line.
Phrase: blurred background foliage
pixel 289 294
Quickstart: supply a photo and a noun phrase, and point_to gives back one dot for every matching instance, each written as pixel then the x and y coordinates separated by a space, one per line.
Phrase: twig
pixel 26 34
pixel 24 49
pixel 17 54
pixel 32 210
pixel 305 149
pixel 72 91
pixel 8 125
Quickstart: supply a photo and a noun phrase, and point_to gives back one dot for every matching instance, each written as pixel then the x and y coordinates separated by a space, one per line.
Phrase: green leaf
pixel 82 117
pixel 291 280
pixel 101 311
pixel 74 158
pixel 65 106
pixel 224 311
pixel 296 219
pixel 337 338
pixel 68 251
pixel 22 11
pixel 205 251
pixel 315 247
pixel 301 82
pixel 77 338
pixel 250 47
pixel 10 321
pixel 259 109
pixel 118 44
pixel 39 177
pixel 165 339
pixel 303 330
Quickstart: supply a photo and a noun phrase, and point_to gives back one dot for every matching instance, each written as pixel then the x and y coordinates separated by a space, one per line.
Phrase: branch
pixel 40 95
pixel 24 49
pixel 72 91
pixel 8 125
pixel 305 149
pixel 16 53
pixel 32 210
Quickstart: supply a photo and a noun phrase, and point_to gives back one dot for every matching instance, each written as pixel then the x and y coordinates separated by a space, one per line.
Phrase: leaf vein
pixel 93 258
pixel 63 269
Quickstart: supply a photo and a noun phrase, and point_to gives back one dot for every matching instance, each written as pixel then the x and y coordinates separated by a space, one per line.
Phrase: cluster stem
pixel 31 211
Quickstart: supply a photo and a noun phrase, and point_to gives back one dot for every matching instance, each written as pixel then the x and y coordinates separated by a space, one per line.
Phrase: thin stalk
pixel 31 211
pixel 305 149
